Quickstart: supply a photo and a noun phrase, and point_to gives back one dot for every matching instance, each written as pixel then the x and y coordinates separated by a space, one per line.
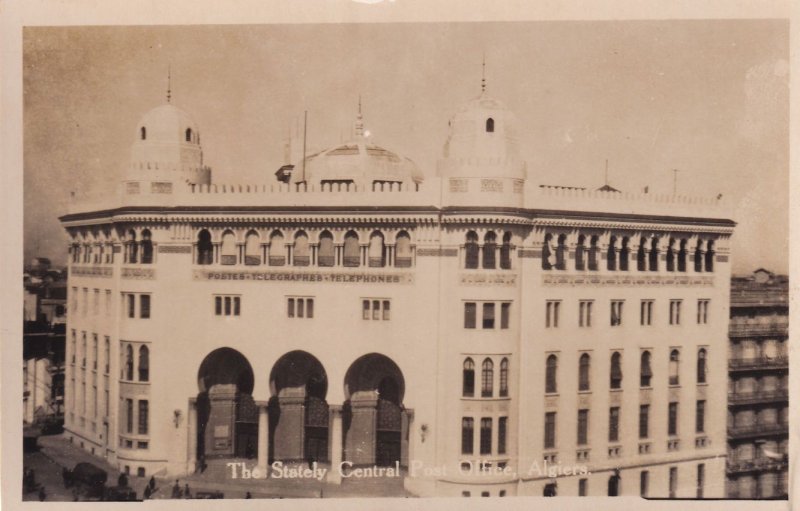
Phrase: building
pixel 758 398
pixel 488 335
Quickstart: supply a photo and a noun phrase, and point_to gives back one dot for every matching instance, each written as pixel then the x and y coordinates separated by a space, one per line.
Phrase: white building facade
pixel 486 334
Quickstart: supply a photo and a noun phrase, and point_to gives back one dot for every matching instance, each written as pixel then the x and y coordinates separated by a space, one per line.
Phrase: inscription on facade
pixel 491 279
pixel 91 271
pixel 139 273
pixel 276 276
pixel 174 249
pixel 437 252
pixel 161 187
pixel 624 280
pixel 491 185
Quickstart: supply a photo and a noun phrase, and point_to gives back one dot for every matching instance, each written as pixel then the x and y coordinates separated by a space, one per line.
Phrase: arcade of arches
pixel 297 424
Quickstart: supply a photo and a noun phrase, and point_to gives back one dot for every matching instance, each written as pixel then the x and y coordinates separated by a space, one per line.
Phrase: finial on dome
pixel 483 76
pixel 169 83
pixel 359 125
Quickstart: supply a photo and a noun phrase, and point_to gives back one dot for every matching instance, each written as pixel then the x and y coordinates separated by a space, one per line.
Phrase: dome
pixel 167 123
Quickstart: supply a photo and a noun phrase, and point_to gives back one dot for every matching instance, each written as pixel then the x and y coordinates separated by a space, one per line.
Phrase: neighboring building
pixel 475 328
pixel 758 399
pixel 43 345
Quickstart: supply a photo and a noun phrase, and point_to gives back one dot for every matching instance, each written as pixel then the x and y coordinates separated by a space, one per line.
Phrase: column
pixel 191 422
pixel 335 444
pixel 263 437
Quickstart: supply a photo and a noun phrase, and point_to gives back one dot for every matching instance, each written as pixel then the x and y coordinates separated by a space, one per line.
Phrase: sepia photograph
pixel 533 258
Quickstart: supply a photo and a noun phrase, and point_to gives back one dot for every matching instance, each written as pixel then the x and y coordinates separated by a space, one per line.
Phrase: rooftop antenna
pixel 359 120
pixel 305 125
pixel 675 181
pixel 483 74
pixel 169 83
pixel 606 171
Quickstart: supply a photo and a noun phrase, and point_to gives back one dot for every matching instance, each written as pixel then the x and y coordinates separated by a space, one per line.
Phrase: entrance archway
pixel 298 410
pixel 375 422
pixel 227 416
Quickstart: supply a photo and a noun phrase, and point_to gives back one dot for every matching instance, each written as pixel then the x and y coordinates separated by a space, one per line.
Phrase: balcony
pixel 301 260
pixel 757 465
pixel 778 326
pixel 758 397
pixel 757 430
pixel 755 363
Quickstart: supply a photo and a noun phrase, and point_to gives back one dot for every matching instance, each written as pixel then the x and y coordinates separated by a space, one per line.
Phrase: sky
pixel 710 98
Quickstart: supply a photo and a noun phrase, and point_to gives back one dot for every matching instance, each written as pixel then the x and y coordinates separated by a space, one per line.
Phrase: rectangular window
pixel 644 482
pixel 702 312
pixel 613 424
pixel 616 312
pixel 700 416
pixel 85 304
pixel 505 314
pixel 675 312
pixel 107 403
pixel 644 421
pixel 646 314
pixel 375 309
pixel 552 308
pixel 290 307
pixel 673 419
pixel 585 313
pixel 486 435
pixel 297 307
pixel 549 430
pixel 470 313
pixel 488 315
pixel 96 302
pixel 107 354
pixel 74 299
pixel 502 426
pixel 131 305
pixel 583 426
pixel 583 487
pixel 144 306
pixel 94 351
pixel 310 308
pixel 108 302
pixel 701 479
pixel 129 415
pixel 673 482
pixel 226 305
pixel 467 435
pixel 143 411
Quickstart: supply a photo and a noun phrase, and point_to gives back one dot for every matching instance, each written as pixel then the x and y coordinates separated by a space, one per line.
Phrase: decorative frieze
pixel 174 249
pixel 139 273
pixel 437 252
pixel 527 253
pixel 557 279
pixel 91 271
pixel 303 276
pixel 488 279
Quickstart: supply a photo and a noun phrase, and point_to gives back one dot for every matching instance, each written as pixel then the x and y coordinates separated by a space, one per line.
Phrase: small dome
pixel 167 123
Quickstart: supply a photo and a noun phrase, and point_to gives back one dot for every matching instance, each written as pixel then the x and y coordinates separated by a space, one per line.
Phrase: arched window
pixel 710 256
pixel 471 250
pixel 550 490
pixel 674 367
pixel 352 256
pixel 227 250
pixel 489 125
pixel 143 133
pixel 593 251
pixel 698 256
pixel 548 252
pixel 616 370
pixel 326 256
pixel 252 249
pixel 188 134
pixel 147 247
pixel 645 371
pixel 584 365
pixel 654 254
pixel 277 249
pixel 641 255
pixel 205 249
pixel 550 384
pixel 613 486
pixel 701 366
pixel 487 378
pixel 611 256
pixel 682 255
pixel 133 247
pixel 504 377
pixel 490 250
pixel 300 256
pixel 403 254
pixel 377 252
pixel 129 362
pixel 144 363
pixel 624 254
pixel 580 248
pixel 505 252
pixel 671 254
pixel 468 383
pixel 561 252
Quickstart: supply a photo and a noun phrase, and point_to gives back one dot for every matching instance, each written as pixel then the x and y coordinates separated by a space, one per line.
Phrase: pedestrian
pixel 202 463
pixel 176 490
pixel 122 480
pixel 42 494
pixel 187 494
pixel 248 496
pixel 146 492
pixel 65 476
pixel 152 483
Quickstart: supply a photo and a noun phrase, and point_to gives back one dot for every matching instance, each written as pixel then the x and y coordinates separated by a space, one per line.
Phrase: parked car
pixel 89 480
pixel 120 494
